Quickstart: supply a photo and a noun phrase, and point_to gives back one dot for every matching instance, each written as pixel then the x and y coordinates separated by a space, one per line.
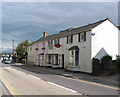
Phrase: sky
pixel 28 20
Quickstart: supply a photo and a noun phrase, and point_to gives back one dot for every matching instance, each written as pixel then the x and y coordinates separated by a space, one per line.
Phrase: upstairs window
pixel 56 41
pixel 36 45
pixel 82 37
pixel 70 39
pixel 43 44
pixel 50 42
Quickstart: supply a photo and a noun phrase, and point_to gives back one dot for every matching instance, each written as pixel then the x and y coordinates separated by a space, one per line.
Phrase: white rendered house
pixel 91 41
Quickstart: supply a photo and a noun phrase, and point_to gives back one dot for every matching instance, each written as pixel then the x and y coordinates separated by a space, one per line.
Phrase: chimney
pixel 45 33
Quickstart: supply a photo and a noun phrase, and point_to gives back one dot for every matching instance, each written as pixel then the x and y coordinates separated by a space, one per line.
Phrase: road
pixel 22 82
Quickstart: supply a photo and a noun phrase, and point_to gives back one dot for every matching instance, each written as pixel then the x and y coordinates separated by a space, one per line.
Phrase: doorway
pixel 62 61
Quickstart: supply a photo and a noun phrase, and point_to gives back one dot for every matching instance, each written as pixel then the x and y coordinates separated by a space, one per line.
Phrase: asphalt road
pixel 23 82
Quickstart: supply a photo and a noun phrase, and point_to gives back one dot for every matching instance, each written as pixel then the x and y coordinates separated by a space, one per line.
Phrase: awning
pixel 74 48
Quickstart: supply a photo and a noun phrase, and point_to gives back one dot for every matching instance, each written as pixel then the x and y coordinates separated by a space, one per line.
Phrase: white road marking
pixel 34 76
pixel 62 86
pixel 26 74
pixel 21 72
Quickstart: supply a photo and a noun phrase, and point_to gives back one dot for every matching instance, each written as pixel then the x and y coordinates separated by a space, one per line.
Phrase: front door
pixel 62 60
pixel 39 59
pixel 42 60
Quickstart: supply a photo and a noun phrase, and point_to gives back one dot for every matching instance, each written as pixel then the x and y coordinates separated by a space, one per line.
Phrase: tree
pixel 22 49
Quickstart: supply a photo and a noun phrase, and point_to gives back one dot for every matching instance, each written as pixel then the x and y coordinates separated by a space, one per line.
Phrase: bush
pixel 106 61
pixel 118 62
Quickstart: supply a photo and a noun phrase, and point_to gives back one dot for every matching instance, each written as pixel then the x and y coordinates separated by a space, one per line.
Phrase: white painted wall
pixel 106 36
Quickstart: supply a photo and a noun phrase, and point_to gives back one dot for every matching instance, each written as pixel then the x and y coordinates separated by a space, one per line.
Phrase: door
pixel 43 60
pixel 62 60
pixel 39 59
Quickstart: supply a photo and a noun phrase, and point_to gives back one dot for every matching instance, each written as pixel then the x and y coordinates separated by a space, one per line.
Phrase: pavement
pixel 107 80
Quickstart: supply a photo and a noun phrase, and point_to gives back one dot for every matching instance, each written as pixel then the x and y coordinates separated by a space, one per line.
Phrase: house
pixel 30 54
pixel 74 48
pixel 55 54
pixel 79 45
pixel 40 50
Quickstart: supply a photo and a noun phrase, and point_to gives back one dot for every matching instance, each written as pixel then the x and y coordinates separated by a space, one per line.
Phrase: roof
pixel 71 31
pixel 119 27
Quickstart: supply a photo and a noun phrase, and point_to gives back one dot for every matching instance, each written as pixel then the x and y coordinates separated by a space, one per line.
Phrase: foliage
pixel 117 57
pixel 106 61
pixel 112 67
pixel 21 50
pixel 106 58
pixel 32 42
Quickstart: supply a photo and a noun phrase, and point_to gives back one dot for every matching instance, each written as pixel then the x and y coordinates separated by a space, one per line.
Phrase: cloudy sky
pixel 28 20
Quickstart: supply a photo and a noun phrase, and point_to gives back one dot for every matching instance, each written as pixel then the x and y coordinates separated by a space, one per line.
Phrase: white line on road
pixel 62 86
pixel 26 74
pixel 34 76
pixel 21 72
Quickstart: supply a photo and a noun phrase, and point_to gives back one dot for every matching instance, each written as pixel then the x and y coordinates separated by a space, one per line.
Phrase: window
pixel 82 37
pixel 36 45
pixel 71 57
pixel 42 59
pixel 56 41
pixel 43 44
pixel 55 59
pixel 30 48
pixel 36 57
pixel 79 37
pixel 50 42
pixel 70 39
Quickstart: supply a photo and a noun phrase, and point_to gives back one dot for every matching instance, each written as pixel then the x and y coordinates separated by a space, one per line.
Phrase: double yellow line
pixel 11 90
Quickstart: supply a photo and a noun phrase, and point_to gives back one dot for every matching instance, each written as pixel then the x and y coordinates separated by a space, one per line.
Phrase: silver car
pixel 7 61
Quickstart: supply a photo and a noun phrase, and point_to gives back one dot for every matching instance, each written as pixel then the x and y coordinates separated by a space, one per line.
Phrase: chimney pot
pixel 45 33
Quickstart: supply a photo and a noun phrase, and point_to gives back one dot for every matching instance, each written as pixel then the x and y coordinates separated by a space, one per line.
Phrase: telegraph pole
pixel 13 48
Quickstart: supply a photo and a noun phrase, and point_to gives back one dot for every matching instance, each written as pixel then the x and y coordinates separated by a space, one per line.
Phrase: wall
pixel 30 54
pixel 106 36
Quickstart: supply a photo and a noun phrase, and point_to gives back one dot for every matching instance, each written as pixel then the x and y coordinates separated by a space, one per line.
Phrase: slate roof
pixel 71 31
pixel 119 27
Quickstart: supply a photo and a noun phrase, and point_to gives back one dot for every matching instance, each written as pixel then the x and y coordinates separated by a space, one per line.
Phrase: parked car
pixel 7 61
